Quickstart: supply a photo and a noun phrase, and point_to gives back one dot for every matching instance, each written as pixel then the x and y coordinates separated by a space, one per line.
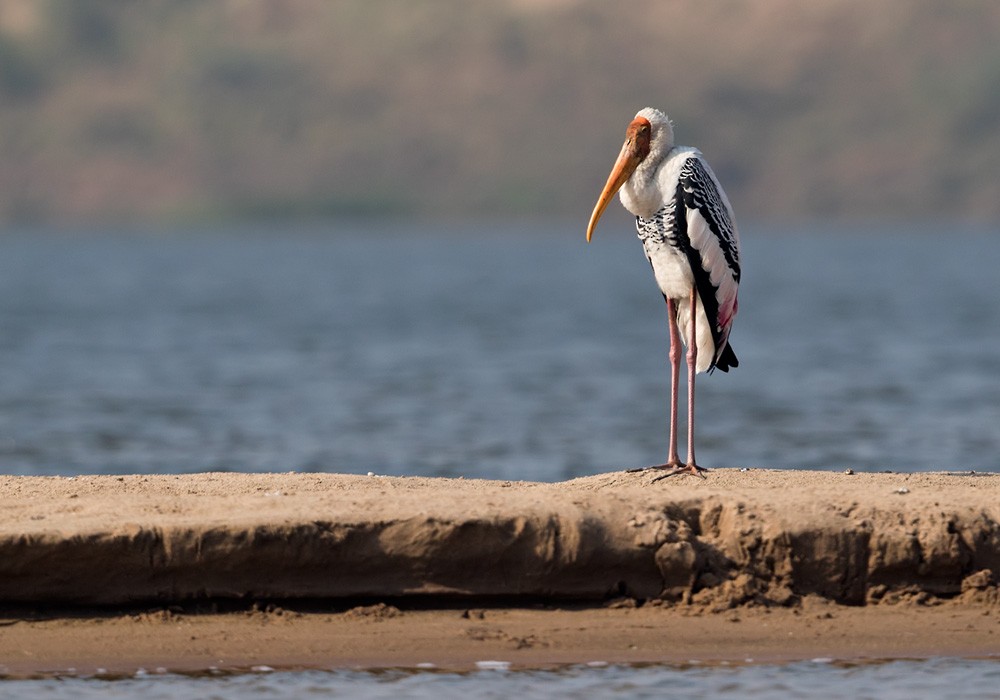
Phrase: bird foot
pixel 673 469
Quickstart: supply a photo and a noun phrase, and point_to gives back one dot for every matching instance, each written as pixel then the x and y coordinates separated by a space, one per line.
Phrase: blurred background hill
pixel 178 111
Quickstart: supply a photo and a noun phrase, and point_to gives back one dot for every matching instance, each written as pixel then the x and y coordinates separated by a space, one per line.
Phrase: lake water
pixel 955 679
pixel 500 351
pixel 496 351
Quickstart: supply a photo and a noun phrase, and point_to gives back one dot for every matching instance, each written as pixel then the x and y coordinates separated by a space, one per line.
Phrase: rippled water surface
pixel 513 352
pixel 956 679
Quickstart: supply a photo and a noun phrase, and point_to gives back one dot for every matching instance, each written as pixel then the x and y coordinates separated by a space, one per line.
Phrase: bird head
pixel 649 131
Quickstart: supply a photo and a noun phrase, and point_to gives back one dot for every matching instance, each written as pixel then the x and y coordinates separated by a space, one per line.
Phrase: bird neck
pixel 641 194
pixel 654 182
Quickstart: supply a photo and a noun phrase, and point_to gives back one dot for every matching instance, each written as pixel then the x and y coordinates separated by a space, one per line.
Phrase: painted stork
pixel 688 231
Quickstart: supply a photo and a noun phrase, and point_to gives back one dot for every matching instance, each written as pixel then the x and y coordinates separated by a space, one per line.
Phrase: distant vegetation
pixel 185 110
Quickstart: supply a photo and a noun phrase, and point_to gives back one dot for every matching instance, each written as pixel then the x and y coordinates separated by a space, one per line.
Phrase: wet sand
pixel 186 572
pixel 89 642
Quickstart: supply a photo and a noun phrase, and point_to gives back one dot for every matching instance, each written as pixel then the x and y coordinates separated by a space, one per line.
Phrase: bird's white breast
pixel 644 195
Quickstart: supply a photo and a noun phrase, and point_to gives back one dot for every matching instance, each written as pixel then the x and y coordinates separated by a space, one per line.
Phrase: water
pixel 501 351
pixel 956 679
pixel 509 352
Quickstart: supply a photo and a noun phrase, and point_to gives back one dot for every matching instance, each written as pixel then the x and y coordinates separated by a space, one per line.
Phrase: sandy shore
pixel 88 642
pixel 123 572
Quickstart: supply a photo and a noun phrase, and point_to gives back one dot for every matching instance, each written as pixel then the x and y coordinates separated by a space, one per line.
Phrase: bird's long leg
pixel 692 364
pixel 673 461
pixel 675 377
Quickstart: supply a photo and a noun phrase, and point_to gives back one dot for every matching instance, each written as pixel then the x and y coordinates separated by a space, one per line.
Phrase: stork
pixel 688 232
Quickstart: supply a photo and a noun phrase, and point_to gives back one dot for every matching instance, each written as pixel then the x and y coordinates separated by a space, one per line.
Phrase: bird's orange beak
pixel 636 148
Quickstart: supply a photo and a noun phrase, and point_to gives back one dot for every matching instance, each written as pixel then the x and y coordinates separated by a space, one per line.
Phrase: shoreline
pixel 459 640
pixel 122 572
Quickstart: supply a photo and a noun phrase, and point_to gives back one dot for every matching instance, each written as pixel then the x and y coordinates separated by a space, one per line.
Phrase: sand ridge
pixel 736 537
